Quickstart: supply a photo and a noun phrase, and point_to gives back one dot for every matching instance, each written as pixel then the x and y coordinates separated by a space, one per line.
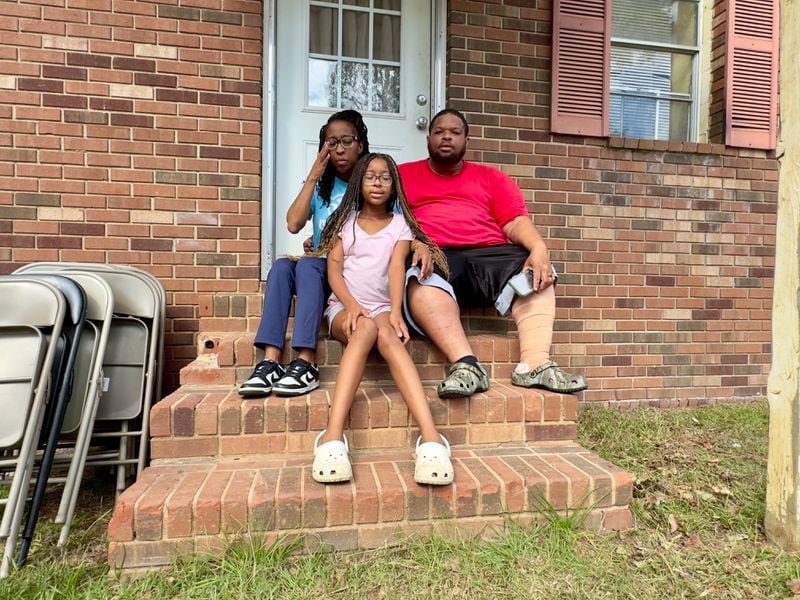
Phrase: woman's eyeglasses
pixel 372 177
pixel 346 141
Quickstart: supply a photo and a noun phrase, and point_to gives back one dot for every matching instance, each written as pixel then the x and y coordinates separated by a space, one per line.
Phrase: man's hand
pixel 351 316
pixel 422 257
pixel 539 262
pixel 307 245
pixel 399 325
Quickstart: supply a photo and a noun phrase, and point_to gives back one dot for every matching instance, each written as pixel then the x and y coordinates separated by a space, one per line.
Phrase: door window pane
pixel 386 38
pixel 355 34
pixel 355 64
pixel 355 83
pixel 388 4
pixel 386 89
pixel 322 83
pixel 323 31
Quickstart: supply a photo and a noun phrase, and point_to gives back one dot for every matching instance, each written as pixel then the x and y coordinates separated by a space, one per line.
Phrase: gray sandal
pixel 550 376
pixel 463 379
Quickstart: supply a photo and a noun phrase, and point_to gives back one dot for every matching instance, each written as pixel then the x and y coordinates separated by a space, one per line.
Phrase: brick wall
pixel 666 248
pixel 130 133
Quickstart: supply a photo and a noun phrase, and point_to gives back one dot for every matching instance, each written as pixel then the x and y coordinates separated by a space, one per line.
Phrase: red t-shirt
pixel 465 210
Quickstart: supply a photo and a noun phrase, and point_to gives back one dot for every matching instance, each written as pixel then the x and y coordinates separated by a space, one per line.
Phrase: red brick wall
pixel 130 133
pixel 666 249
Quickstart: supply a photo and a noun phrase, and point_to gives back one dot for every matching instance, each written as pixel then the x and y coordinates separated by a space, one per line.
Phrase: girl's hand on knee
pixel 399 326
pixel 352 313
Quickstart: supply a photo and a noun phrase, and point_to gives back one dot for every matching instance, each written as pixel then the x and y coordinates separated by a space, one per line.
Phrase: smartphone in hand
pixel 522 283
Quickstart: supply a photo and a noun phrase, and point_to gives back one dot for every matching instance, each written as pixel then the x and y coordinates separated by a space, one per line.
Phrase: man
pixel 477 215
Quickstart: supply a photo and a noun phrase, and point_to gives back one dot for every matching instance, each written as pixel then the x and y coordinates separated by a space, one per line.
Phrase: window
pixel 354 54
pixel 654 55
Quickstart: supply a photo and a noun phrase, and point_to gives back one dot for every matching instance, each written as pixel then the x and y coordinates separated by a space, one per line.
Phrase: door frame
pixel 269 107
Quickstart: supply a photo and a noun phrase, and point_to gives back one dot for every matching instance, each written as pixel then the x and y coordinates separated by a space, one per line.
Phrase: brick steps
pixel 228 358
pixel 190 506
pixel 209 421
pixel 224 466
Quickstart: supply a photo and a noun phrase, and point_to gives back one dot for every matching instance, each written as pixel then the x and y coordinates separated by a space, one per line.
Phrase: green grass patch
pixel 698 501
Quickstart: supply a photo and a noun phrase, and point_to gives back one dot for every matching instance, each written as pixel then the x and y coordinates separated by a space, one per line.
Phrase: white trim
pixel 439 56
pixel 268 84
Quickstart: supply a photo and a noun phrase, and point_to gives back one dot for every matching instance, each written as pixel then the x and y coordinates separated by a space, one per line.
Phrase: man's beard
pixel 446 160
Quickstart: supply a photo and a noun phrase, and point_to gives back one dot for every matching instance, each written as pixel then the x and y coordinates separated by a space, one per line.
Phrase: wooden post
pixel 783 466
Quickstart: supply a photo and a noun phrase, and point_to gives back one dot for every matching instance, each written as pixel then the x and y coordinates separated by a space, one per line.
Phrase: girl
pixel 342 141
pixel 367 245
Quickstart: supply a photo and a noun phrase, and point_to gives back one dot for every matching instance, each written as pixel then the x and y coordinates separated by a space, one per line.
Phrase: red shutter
pixel 581 58
pixel 751 73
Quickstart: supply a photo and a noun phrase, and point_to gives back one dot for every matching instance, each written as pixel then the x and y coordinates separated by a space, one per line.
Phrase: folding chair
pixel 32 316
pixel 78 421
pixel 57 405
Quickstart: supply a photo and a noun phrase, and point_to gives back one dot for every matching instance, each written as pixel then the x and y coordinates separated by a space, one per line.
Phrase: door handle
pixel 422 99
pixel 422 123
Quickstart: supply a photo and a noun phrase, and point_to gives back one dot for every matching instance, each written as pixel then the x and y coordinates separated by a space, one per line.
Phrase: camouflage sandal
pixel 550 376
pixel 463 379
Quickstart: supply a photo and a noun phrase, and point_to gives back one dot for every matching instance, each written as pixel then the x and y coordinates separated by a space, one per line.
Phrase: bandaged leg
pixel 534 315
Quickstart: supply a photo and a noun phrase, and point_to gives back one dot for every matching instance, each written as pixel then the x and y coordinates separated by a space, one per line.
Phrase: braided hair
pixel 353 201
pixel 325 184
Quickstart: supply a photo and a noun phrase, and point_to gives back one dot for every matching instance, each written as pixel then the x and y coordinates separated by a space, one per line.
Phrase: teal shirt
pixel 320 212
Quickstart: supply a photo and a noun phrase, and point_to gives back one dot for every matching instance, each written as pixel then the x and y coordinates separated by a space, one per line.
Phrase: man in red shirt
pixel 477 215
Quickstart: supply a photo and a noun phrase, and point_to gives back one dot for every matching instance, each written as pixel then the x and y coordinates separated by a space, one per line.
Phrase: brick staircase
pixel 224 467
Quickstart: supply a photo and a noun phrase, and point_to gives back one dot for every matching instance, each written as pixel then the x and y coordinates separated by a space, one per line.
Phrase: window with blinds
pixel 654 55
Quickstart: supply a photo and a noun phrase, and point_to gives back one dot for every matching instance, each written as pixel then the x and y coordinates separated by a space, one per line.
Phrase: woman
pixel 342 141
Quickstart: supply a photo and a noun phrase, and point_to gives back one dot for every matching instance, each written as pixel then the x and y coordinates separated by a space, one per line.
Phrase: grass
pixel 698 502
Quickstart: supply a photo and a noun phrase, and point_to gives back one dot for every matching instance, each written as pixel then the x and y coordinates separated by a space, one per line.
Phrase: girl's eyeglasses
pixel 346 141
pixel 372 177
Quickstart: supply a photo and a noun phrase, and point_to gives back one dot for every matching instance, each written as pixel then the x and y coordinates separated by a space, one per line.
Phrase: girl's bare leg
pixel 406 377
pixel 351 370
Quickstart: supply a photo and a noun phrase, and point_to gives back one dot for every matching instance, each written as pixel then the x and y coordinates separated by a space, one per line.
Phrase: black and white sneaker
pixel 261 382
pixel 301 377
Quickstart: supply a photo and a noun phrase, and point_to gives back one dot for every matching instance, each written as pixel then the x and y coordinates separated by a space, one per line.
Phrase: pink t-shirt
pixel 366 262
pixel 465 210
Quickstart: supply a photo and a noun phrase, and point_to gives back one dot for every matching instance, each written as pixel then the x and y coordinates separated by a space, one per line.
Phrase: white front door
pixel 370 55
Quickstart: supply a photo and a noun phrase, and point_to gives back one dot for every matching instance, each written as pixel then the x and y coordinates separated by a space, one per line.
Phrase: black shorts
pixel 478 275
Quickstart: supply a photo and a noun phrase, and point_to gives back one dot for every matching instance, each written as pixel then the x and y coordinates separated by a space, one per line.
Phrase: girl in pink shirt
pixel 367 244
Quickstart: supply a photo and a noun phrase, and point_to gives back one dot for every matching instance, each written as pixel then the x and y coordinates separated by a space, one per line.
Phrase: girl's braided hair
pixel 353 201
pixel 325 185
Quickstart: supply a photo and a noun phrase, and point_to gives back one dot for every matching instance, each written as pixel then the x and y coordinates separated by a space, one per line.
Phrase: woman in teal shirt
pixel 342 141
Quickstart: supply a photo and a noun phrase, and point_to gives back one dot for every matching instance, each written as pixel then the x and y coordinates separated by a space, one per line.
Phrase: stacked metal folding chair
pixel 117 374
pixel 35 350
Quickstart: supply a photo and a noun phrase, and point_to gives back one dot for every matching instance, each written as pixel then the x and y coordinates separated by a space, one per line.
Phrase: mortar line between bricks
pixel 378 489
pixel 142 496
pixel 475 481
pixel 406 494
pixel 504 460
pixel 499 478
pixel 547 485
pixel 570 491
pixel 592 481
pixel 607 472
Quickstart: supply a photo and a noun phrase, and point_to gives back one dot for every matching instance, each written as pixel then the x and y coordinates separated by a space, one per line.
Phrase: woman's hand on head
pixel 351 316
pixel 318 168
pixel 422 257
pixel 399 326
